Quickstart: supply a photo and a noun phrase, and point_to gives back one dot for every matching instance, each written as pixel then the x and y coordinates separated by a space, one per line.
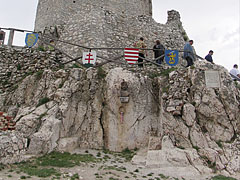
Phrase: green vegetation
pixel 165 72
pixel 75 65
pixel 19 67
pixel 221 177
pixel 43 101
pixel 101 73
pixel 185 37
pixel 75 176
pixel 37 171
pixel 125 154
pixel 39 74
pixel 1 166
pixel 41 48
pixel 57 159
pixel 150 174
pixel 116 168
pixel 219 143
pixel 196 147
pixel 180 147
pixel 165 89
pixel 45 166
pixel 9 74
pixel 162 176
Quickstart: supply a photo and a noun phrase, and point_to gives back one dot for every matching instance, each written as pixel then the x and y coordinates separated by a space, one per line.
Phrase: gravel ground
pixel 110 167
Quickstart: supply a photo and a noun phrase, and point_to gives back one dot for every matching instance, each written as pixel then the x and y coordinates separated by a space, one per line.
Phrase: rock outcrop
pixel 75 108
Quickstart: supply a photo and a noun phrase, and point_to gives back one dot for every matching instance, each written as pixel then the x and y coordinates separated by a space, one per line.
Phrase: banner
pixel 31 39
pixel 89 58
pixel 131 55
pixel 171 57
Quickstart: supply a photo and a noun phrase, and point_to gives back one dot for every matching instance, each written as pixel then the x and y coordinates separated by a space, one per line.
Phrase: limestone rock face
pixel 183 122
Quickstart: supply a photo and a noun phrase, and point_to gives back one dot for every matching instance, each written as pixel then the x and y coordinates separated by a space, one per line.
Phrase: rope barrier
pixel 43 36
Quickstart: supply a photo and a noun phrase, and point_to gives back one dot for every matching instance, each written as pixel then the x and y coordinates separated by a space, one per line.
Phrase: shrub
pixel 43 101
pixel 39 74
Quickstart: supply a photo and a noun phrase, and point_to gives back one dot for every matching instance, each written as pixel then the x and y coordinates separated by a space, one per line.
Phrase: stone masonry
pixel 107 23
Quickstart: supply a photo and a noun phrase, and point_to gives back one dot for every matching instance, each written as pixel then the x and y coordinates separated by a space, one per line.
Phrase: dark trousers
pixel 189 61
pixel 159 61
pixel 140 60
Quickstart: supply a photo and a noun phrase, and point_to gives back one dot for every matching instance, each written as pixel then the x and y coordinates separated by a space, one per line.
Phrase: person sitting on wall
pixel 188 53
pixel 209 57
pixel 159 50
pixel 235 72
pixel 141 46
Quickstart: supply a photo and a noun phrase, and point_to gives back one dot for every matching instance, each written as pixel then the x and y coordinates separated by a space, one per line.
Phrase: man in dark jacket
pixel 159 50
pixel 209 56
pixel 188 53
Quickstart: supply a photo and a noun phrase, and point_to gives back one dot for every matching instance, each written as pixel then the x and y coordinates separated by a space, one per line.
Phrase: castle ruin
pixel 107 23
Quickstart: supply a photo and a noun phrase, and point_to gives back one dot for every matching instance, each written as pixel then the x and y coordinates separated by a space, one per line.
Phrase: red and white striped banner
pixel 131 55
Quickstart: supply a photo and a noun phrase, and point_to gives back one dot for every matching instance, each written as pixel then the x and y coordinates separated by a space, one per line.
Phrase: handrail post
pixel 10 39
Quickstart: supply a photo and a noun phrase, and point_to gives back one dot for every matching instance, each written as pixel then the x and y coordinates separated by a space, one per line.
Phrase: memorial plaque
pixel 212 79
pixel 124 99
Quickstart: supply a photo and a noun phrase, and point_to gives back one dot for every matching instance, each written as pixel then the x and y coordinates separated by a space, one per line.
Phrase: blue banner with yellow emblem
pixel 171 57
pixel 31 39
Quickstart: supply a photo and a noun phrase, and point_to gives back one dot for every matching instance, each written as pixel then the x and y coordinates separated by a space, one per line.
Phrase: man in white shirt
pixel 235 71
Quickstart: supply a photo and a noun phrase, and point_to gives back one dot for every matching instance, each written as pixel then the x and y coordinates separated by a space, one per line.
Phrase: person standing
pixel 188 53
pixel 141 46
pixel 159 50
pixel 209 57
pixel 235 72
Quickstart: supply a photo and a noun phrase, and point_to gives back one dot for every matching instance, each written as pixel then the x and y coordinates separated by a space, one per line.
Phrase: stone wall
pixel 17 63
pixel 103 25
pixel 56 12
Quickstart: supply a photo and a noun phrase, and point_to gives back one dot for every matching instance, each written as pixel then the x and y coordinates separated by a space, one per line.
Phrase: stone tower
pixel 58 12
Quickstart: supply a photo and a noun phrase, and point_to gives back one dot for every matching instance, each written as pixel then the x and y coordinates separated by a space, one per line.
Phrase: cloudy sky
pixel 212 24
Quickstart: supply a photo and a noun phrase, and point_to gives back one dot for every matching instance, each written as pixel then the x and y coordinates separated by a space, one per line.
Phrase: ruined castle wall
pixel 58 12
pixel 101 28
pixel 18 63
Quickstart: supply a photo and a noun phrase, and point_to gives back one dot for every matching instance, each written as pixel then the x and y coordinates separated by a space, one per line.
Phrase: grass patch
pixel 57 159
pixel 75 176
pixel 127 154
pixel 221 177
pixel 45 166
pixel 162 176
pixel 116 168
pixel 43 101
pixel 39 172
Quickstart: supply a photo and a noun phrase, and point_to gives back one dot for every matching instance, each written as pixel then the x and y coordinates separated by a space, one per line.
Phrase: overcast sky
pixel 212 24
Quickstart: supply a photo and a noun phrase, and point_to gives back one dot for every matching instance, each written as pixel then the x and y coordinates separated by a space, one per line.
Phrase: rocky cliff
pixel 169 110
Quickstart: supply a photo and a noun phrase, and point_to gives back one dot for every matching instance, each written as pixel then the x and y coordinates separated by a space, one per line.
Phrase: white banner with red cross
pixel 131 55
pixel 89 57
